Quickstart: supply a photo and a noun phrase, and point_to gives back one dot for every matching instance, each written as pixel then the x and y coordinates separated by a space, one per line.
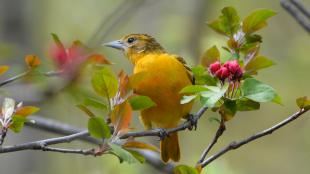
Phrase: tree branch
pixel 24 74
pixel 235 145
pixel 300 6
pixel 12 79
pixel 157 132
pixel 57 127
pixel 3 132
pixel 294 11
pixel 64 129
pixel 217 135
pixel 42 144
pixel 74 151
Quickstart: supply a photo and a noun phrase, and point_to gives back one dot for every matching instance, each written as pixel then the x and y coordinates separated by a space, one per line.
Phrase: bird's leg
pixel 162 133
pixel 192 120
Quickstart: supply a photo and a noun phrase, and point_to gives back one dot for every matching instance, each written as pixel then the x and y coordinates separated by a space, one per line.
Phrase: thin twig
pixel 235 145
pixel 58 127
pixel 3 134
pixel 12 79
pixel 41 144
pixel 24 74
pixel 217 135
pixel 74 151
pixel 296 14
pixel 53 73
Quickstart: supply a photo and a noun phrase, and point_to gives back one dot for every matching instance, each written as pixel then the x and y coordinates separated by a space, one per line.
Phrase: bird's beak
pixel 118 44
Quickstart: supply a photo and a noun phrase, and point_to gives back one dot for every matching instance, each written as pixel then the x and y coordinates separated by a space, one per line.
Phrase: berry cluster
pixel 230 70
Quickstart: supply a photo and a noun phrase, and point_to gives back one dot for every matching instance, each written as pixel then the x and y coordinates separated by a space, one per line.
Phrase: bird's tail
pixel 170 148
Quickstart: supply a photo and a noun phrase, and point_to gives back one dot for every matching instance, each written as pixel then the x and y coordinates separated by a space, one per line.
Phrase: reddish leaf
pixel 3 69
pixel 123 83
pixel 121 117
pixel 32 61
pixel 58 51
pixel 26 111
pixel 76 50
pixel 58 42
pixel 98 58
pixel 140 145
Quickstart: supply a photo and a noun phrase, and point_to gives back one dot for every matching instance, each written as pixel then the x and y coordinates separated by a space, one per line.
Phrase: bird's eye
pixel 131 39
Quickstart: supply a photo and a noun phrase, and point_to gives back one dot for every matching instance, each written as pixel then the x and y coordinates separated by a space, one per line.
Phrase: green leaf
pixel 95 103
pixel 245 104
pixel 212 119
pixel 257 63
pixel 183 169
pixel 86 110
pixel 211 97
pixel 122 154
pixel 257 91
pixel 137 155
pixel 17 123
pixel 256 20
pixel 202 77
pixel 253 38
pixel 228 109
pixel 228 23
pixel 98 128
pixel 56 38
pixel 303 102
pixel 140 102
pixel 192 89
pixel 277 100
pixel 104 82
pixel 187 98
pixel 210 56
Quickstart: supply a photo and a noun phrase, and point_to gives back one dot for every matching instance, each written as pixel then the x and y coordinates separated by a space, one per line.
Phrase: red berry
pixel 214 67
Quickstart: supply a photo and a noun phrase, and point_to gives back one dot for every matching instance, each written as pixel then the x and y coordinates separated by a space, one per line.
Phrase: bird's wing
pixel 188 69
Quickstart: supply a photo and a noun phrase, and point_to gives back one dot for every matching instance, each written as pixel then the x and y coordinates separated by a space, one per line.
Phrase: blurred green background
pixel 179 25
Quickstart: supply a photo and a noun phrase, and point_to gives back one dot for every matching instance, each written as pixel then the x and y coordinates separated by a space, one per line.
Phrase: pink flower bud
pixel 214 67
pixel 238 74
pixel 233 66
pixel 222 73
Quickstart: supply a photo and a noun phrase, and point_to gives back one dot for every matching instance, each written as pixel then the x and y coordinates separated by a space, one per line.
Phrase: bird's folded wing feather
pixel 188 69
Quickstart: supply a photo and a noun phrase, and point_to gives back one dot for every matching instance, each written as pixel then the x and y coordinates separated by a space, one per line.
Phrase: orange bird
pixel 165 75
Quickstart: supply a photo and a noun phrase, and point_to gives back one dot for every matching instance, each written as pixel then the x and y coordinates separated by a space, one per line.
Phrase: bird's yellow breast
pixel 164 77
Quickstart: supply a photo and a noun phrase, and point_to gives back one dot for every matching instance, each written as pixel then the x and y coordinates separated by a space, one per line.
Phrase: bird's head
pixel 135 46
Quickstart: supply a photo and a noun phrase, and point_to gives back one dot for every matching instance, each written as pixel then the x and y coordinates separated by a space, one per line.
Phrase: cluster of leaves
pixel 14 116
pixel 243 44
pixel 118 104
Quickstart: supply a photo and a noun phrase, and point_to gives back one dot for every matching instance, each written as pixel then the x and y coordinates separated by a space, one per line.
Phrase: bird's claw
pixel 193 122
pixel 162 133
